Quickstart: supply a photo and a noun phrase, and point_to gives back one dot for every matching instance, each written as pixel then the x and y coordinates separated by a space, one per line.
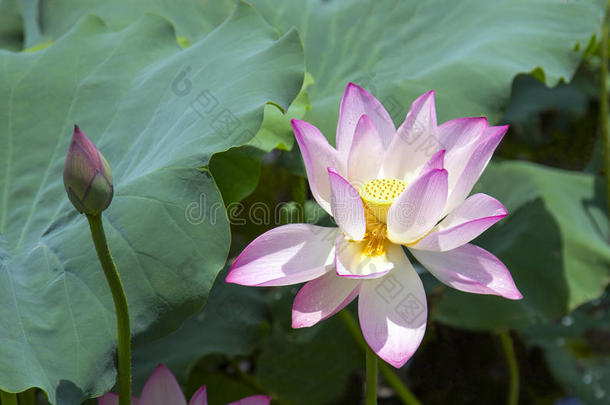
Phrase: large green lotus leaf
pixel 49 19
pixel 237 171
pixel 468 50
pixel 554 242
pixel 157 113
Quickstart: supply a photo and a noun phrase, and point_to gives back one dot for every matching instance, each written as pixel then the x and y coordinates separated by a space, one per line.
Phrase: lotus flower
pixel 87 176
pixel 163 389
pixel 386 189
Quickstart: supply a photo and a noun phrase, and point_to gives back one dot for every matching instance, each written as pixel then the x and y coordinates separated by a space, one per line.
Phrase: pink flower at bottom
pixel 163 389
pixel 386 189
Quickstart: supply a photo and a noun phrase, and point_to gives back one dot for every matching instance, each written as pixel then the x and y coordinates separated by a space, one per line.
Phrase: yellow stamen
pixel 375 237
pixel 377 196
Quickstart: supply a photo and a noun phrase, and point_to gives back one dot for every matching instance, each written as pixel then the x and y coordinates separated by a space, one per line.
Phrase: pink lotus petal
pixel 351 262
pixel 366 154
pixel 475 166
pixel 322 298
pixel 415 141
pixel 253 400
pixel 470 219
pixel 288 254
pixel 356 102
pixel 111 398
pixel 436 162
pixel 418 208
pixel 460 137
pixel 393 313
pixel 200 397
pixel 461 132
pixel 162 389
pixel 108 399
pixel 470 268
pixel 346 206
pixel 318 156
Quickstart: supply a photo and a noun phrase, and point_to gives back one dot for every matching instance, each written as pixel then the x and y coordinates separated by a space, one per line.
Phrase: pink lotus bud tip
pixel 87 176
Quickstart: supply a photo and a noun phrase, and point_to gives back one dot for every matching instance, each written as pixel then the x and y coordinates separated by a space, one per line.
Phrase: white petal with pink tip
pixel 321 298
pixel 470 268
pixel 419 207
pixel 355 102
pixel 366 154
pixel 477 161
pixel 470 219
pixel 162 389
pixel 393 314
pixel 318 156
pixel 200 397
pixel 346 206
pixel 415 141
pixel 285 255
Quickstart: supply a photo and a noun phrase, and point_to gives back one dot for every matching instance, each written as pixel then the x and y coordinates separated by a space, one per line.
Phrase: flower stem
pixel 513 369
pixel 402 391
pixel 6 398
pixel 371 377
pixel 120 306
pixel 603 105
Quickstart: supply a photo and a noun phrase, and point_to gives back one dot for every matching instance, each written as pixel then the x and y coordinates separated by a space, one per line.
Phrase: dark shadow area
pixel 67 393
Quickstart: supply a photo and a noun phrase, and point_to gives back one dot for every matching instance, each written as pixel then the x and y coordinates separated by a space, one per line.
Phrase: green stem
pixel 120 306
pixel 513 369
pixel 371 377
pixel 403 392
pixel 28 397
pixel 6 398
pixel 603 105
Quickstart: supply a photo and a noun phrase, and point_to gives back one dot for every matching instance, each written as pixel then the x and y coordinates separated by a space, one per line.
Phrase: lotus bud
pixel 87 176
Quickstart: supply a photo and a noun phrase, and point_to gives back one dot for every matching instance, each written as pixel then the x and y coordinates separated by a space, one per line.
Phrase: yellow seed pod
pixel 379 194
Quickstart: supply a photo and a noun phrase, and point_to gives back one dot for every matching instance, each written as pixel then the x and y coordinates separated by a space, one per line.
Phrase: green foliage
pixel 166 227
pixel 134 74
pixel 578 351
pixel 553 126
pixel 309 367
pixel 467 51
pixel 235 324
pixel 49 20
pixel 237 170
pixel 554 242
pixel 232 323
